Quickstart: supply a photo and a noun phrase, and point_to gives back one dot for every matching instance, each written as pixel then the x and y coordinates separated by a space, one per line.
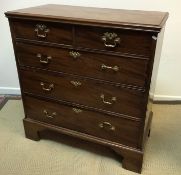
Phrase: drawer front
pixel 43 31
pixel 117 40
pixel 115 129
pixel 83 91
pixel 111 68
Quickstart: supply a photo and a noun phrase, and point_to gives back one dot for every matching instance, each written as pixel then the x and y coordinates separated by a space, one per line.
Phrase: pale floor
pixel 21 156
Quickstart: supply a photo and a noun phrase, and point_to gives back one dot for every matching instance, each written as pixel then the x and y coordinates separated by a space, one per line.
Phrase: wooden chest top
pixel 134 19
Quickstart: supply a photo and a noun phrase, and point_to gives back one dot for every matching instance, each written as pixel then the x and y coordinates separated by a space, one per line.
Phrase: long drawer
pixel 83 91
pixel 43 31
pixel 115 40
pixel 111 68
pixel 115 129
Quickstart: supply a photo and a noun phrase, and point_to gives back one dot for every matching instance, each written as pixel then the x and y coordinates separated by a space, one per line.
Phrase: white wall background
pixel 168 86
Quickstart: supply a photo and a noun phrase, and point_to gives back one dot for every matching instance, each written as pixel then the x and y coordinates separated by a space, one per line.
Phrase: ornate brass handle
pixel 41 30
pixel 114 68
pixel 111 39
pixel 113 99
pixel 44 60
pixel 49 88
pixel 76 83
pixel 74 54
pixel 48 115
pixel 76 110
pixel 107 125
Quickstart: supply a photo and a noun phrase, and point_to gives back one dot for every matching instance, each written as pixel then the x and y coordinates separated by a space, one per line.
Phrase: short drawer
pixel 78 90
pixel 116 40
pixel 43 31
pixel 116 69
pixel 114 129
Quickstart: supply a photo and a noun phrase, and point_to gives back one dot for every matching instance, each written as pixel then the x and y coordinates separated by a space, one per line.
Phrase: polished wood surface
pixel 132 43
pixel 87 74
pixel 150 20
pixel 88 93
pixel 84 121
pixel 59 33
pixel 131 71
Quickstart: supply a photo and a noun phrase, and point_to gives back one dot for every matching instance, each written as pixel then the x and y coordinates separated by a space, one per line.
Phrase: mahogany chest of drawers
pixel 87 73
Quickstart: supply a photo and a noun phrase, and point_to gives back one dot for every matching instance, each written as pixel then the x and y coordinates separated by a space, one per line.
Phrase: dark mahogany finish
pixel 86 73
pixel 84 121
pixel 56 33
pixel 131 42
pixel 132 71
pixel 88 93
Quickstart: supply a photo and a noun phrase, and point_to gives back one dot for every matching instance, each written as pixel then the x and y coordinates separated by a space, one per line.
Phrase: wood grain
pixel 58 33
pixel 150 20
pixel 85 121
pixel 131 43
pixel 128 102
pixel 131 71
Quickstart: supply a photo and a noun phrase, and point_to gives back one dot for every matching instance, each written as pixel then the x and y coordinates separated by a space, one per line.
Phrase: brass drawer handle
pixel 74 54
pixel 113 99
pixel 76 110
pixel 76 83
pixel 47 115
pixel 114 68
pixel 110 38
pixel 107 125
pixel 49 88
pixel 41 30
pixel 44 60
